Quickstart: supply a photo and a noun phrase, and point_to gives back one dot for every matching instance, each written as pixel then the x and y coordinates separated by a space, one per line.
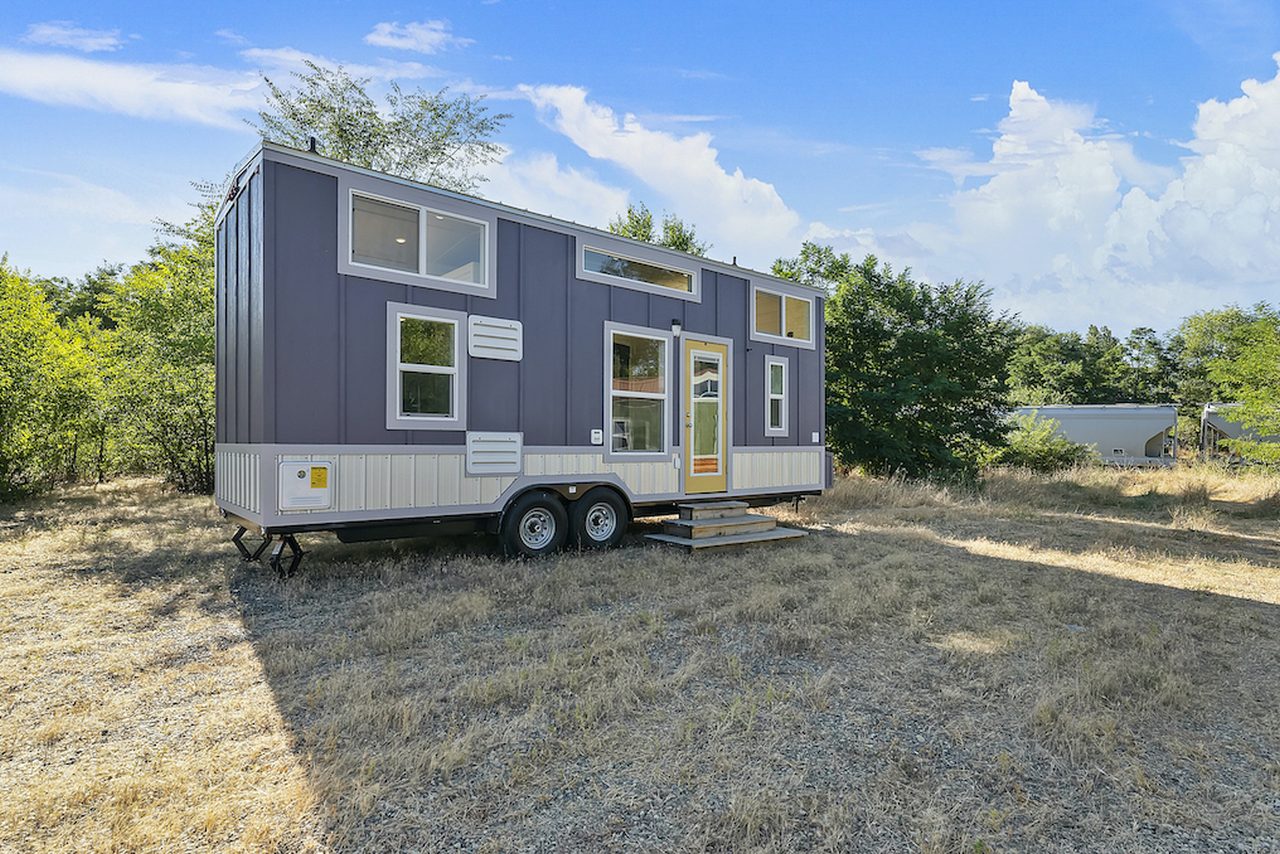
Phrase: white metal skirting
pixel 236 479
pixel 753 470
pixel 437 479
pixel 365 482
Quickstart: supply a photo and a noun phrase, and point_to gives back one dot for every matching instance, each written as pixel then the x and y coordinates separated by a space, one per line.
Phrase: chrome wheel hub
pixel 537 529
pixel 602 521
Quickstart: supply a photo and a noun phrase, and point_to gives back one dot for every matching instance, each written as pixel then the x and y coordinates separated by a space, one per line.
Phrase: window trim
pixel 610 330
pixel 769 338
pixel 769 363
pixel 348 190
pixel 640 255
pixel 394 367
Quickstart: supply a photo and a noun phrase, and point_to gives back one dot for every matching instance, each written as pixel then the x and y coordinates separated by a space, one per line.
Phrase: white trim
pixel 755 335
pixel 396 420
pixel 769 363
pixel 611 329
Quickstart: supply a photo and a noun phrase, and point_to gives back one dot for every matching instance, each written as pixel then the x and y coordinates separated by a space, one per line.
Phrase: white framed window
pixel 782 318
pixel 638 387
pixel 417 244
pixel 776 371
pixel 636 267
pixel 426 368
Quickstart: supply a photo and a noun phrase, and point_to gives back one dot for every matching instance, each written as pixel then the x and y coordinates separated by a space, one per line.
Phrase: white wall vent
pixel 495 338
pixel 494 453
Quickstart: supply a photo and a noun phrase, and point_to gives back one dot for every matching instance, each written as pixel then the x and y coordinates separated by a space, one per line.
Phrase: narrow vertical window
pixel 637 393
pixel 775 396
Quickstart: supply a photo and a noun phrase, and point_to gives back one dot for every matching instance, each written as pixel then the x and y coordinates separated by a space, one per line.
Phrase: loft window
pixel 455 249
pixel 384 234
pixel 617 266
pixel 637 393
pixel 417 240
pixel 428 367
pixel 782 318
pixel 775 396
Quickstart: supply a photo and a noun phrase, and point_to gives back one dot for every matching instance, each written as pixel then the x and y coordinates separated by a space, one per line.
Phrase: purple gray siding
pixel 303 361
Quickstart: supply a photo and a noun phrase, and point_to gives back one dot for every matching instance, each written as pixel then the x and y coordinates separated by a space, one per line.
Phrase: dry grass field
pixel 1082 662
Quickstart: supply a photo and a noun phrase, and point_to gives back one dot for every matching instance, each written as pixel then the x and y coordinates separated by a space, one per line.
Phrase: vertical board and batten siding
pixel 330 352
pixel 240 380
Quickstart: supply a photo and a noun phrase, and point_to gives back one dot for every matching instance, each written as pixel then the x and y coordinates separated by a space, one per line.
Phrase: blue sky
pixel 1091 162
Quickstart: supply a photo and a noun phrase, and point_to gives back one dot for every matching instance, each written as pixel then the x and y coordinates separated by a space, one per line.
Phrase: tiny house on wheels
pixel 1123 434
pixel 395 360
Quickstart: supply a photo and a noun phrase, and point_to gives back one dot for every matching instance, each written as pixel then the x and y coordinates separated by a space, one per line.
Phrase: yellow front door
pixel 706 420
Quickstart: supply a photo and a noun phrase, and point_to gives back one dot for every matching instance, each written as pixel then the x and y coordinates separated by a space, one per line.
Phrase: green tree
pixel 682 237
pixel 160 382
pixel 433 137
pixel 1149 367
pixel 1034 443
pixel 70 300
pixel 42 388
pixel 817 266
pixel 1065 367
pixel 1209 338
pixel 637 223
pixel 1250 375
pixel 915 372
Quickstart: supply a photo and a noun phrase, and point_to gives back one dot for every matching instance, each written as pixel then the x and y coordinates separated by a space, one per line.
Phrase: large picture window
pixel 775 396
pixel 425 387
pixel 637 393
pixel 782 318
pixel 433 245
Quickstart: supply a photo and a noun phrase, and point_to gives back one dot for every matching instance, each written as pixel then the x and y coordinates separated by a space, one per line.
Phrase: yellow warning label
pixel 319 477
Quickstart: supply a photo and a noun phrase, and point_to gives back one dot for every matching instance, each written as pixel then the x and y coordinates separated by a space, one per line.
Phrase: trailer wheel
pixel 598 520
pixel 534 525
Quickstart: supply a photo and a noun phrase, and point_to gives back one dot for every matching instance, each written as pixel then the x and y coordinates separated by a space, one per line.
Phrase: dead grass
pixel 1053 663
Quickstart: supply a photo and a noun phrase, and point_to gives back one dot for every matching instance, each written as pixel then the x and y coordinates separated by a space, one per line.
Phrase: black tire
pixel 534 525
pixel 598 520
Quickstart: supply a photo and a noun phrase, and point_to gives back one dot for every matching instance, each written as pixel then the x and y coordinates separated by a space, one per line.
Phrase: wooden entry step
pixel 712 509
pixel 721 524
pixel 726 541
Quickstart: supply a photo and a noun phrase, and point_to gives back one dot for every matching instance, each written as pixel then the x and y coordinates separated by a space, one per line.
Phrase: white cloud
pixel 420 36
pixel 735 212
pixel 62 225
pixel 1070 226
pixel 209 96
pixel 292 59
pixel 537 182
pixel 230 36
pixel 67 34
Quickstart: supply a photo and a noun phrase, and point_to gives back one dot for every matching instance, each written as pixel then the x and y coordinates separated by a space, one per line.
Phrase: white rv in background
pixel 1123 434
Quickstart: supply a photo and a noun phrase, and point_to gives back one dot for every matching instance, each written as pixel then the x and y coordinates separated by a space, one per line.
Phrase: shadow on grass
pixel 444 697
